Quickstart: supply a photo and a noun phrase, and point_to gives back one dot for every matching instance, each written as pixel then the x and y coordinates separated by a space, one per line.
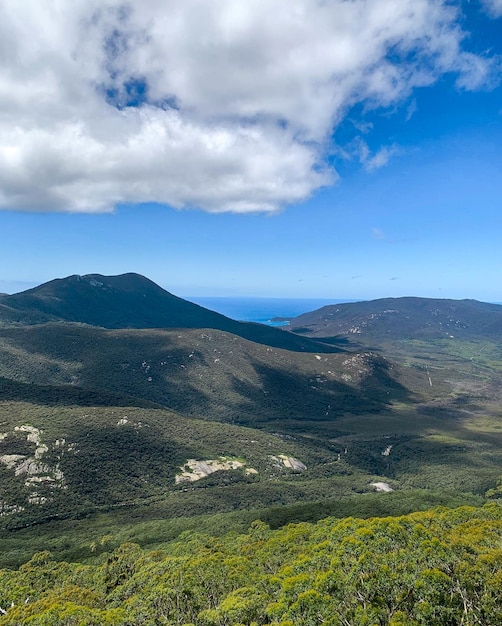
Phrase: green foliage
pixel 439 568
pixel 122 406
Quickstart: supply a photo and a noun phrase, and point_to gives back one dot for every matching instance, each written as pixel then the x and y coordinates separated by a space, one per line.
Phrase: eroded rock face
pixel 194 470
pixel 357 367
pixel 382 487
pixel 11 460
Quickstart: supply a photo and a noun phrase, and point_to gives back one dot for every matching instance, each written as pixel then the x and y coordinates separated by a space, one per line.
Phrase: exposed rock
pixel 37 473
pixel 11 460
pixel 289 462
pixel 8 509
pixel 194 470
pixel 382 487
pixel 33 436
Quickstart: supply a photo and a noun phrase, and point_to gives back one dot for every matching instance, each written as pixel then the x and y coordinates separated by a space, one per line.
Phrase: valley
pixel 106 418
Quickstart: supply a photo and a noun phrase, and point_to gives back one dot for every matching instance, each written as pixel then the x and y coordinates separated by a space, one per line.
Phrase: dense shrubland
pixel 441 567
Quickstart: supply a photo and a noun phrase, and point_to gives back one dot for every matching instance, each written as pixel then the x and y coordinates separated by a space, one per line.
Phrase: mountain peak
pixel 132 301
pixel 123 301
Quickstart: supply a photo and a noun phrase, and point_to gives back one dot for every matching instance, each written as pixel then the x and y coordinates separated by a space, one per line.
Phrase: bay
pixel 262 310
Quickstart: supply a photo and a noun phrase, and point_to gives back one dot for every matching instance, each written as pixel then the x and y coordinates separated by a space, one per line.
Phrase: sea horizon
pixel 261 309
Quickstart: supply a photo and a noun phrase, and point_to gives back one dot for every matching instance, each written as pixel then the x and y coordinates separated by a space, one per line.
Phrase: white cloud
pixel 359 149
pixel 380 158
pixel 494 7
pixel 222 105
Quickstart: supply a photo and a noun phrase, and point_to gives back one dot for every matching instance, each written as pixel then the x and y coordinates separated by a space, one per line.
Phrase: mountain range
pixel 115 393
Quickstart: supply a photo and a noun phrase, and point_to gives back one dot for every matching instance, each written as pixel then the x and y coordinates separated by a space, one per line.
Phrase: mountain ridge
pixel 403 318
pixel 126 387
pixel 132 301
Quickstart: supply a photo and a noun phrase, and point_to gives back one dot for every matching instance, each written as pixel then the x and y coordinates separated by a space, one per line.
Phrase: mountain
pixel 403 318
pixel 115 395
pixel 131 301
pixel 456 342
pixel 201 372
pixel 126 335
pixel 109 386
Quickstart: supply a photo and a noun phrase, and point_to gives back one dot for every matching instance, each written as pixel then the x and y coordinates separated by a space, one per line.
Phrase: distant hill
pixel 131 301
pixel 403 318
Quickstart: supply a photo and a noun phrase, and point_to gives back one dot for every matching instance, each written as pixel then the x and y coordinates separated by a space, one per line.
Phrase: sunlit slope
pixel 456 343
pixel 62 459
pixel 438 567
pixel 66 457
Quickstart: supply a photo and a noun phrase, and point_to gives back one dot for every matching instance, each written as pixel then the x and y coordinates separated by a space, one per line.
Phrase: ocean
pixel 262 310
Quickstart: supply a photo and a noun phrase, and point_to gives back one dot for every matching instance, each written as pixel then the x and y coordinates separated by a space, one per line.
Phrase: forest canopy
pixel 435 568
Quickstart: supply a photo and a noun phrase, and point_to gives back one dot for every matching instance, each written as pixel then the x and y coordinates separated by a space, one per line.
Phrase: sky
pixel 345 149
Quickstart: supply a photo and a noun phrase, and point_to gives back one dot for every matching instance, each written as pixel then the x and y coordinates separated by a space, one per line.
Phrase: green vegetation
pixel 438 568
pixel 395 319
pixel 97 425
pixel 154 524
pixel 131 301
pixel 111 459
pixel 206 373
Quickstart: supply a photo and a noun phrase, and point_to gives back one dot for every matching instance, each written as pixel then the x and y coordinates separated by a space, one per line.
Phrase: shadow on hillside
pixel 283 339
pixel 286 396
pixel 119 464
pixel 49 395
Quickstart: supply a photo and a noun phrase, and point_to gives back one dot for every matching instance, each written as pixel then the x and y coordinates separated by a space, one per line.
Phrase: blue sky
pixel 261 164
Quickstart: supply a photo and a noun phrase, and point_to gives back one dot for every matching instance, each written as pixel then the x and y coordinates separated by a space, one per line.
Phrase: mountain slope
pixel 65 460
pixel 201 372
pixel 403 318
pixel 102 382
pixel 131 301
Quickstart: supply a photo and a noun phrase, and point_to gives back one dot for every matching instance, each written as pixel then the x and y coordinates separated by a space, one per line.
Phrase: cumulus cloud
pixel 216 104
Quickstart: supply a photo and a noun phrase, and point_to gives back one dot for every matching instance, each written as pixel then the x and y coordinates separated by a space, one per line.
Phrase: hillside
pixel 110 401
pixel 403 318
pixel 438 568
pixel 94 416
pixel 66 460
pixel 95 419
pixel 131 301
pixel 201 372
pixel 456 342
